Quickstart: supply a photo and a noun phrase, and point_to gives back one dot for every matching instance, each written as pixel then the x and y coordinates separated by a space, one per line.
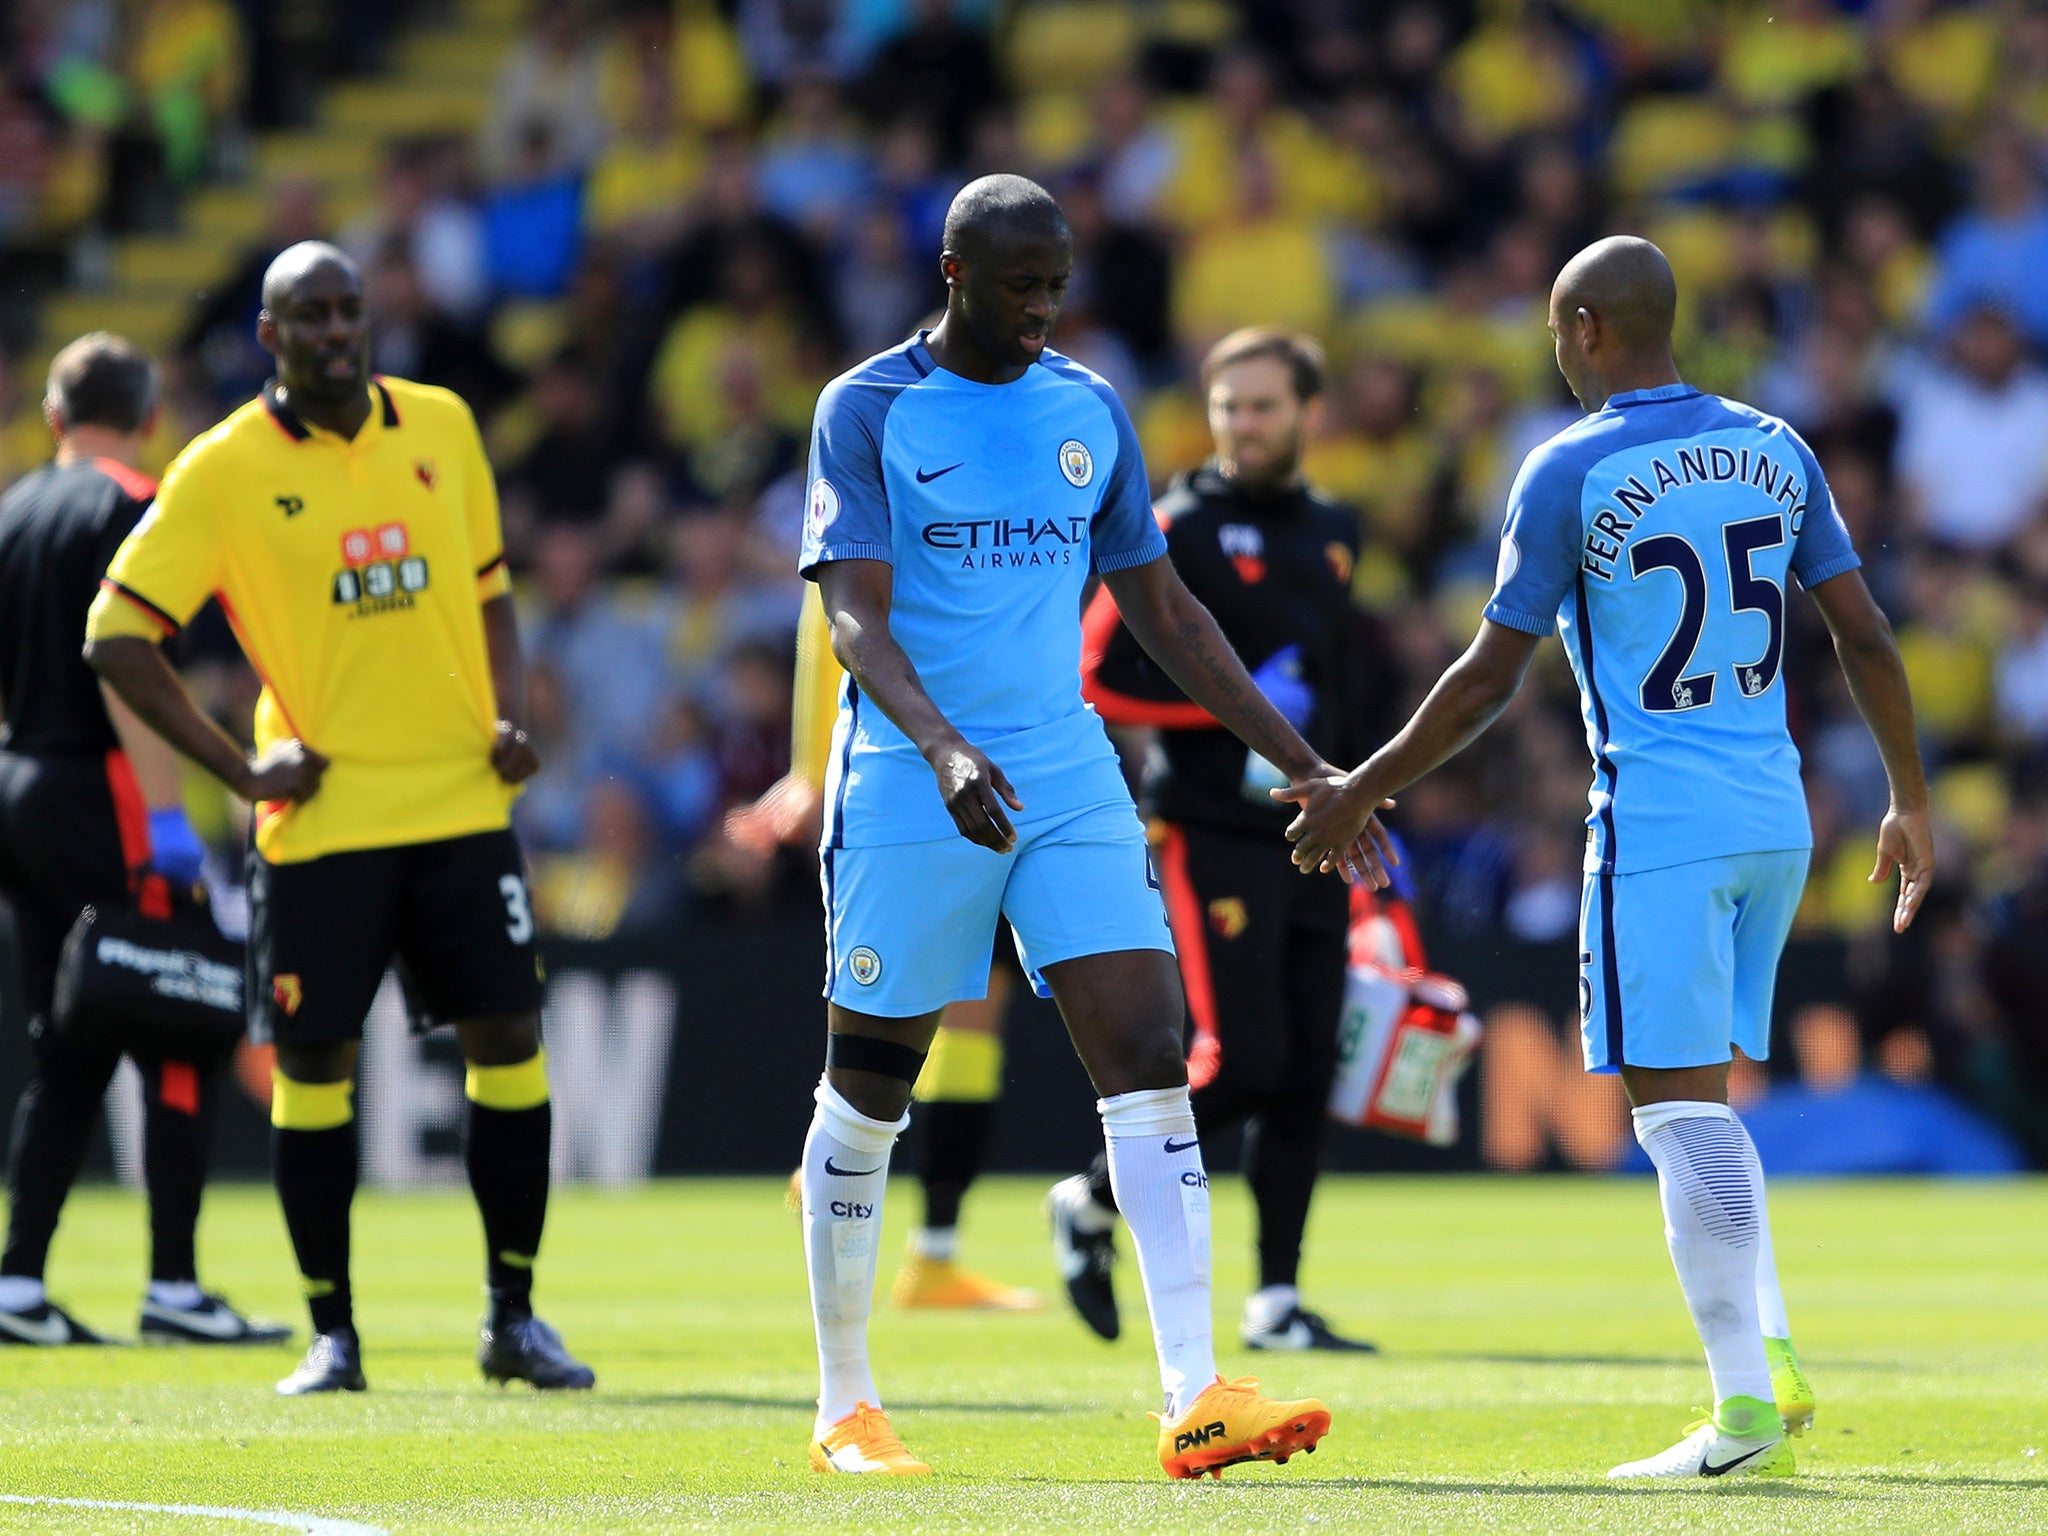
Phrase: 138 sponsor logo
pixel 380 573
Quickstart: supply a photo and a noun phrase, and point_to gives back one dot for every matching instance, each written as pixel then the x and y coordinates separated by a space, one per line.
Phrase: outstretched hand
pixel 1339 828
pixel 975 792
pixel 1905 842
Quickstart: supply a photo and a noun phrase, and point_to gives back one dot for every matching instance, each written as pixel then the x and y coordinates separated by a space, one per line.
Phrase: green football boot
pixel 1789 1386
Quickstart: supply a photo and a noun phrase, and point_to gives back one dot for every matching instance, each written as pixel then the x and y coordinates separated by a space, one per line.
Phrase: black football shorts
pixel 454 917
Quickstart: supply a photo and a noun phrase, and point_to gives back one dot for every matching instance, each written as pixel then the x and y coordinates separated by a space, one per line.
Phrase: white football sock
pixel 182 1294
pixel 1270 1306
pixel 846 1168
pixel 1155 1167
pixel 1770 1300
pixel 20 1293
pixel 936 1244
pixel 1713 1195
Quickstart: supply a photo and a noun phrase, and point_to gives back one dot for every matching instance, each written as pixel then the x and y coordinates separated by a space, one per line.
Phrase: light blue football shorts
pixel 1678 964
pixel 910 927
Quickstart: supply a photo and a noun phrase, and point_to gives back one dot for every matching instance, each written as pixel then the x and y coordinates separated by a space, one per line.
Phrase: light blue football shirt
pixel 993 502
pixel 1656 535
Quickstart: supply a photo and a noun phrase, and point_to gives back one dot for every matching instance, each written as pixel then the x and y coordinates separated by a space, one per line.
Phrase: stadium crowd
pixel 683 217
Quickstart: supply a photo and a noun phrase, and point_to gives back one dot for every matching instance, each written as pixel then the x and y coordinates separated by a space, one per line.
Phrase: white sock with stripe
pixel 845 1170
pixel 1155 1167
pixel 1713 1194
pixel 1770 1300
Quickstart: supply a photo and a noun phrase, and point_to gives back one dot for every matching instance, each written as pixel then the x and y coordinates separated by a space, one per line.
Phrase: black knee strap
pixel 864 1053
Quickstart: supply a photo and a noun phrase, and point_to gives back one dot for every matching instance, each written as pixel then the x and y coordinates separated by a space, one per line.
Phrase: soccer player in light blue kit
pixel 962 487
pixel 1660 536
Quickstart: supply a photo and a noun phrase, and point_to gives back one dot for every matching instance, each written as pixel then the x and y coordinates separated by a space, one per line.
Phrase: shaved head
pixel 996 211
pixel 295 262
pixel 1611 313
pixel 1628 284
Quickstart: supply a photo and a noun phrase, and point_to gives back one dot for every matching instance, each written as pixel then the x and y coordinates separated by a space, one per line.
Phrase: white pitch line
pixel 306 1525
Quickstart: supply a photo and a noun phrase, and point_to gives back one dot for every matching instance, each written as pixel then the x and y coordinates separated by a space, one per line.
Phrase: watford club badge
pixel 284 991
pixel 424 470
pixel 1228 917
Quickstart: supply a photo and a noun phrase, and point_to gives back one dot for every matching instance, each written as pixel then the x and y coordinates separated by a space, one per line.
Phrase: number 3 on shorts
pixel 518 914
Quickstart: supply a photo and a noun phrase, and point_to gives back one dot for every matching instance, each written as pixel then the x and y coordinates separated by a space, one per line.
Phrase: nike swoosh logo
pixel 927 479
pixel 1708 1469
pixel 848 1173
pixel 51 1330
pixel 1170 1147
pixel 214 1325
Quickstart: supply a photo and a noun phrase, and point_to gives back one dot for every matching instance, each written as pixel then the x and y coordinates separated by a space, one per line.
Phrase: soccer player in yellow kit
pixel 962 1080
pixel 348 525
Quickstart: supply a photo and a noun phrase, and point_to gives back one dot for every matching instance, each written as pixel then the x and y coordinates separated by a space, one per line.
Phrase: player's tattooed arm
pixel 1464 702
pixel 512 752
pixel 857 595
pixel 1181 635
pixel 136 670
pixel 1877 682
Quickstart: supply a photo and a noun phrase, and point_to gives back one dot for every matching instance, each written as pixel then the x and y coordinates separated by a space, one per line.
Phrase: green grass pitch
pixel 1533 1334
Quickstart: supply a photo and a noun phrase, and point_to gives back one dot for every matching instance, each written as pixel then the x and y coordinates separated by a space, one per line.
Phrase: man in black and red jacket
pixel 1262 950
pixel 87 803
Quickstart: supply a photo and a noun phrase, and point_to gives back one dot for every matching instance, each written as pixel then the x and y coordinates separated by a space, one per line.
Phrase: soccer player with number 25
pixel 1659 536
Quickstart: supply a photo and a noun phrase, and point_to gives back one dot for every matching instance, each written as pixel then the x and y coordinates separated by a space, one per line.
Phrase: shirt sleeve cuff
pixel 1841 565
pixel 494 580
pixel 1122 560
pixel 118 611
pixel 1527 623
pixel 882 552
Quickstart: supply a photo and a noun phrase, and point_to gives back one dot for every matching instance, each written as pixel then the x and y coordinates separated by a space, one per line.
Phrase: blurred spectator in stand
pixel 680 774
pixel 913 184
pixel 787 38
pixel 1543 897
pixel 2012 1079
pixel 1378 456
pixel 712 604
pixel 1996 252
pixel 619 884
pixel 1946 652
pixel 217 350
pixel 1515 75
pixel 552 79
pixel 419 204
pixel 1134 153
pixel 1123 274
pixel 533 223
pixel 1227 277
pixel 943 66
pixel 610 665
pixel 549 810
pixel 565 474
pixel 753 753
pixel 186 60
pixel 642 181
pixel 814 170
pixel 880 290
pixel 728 217
pixel 1555 195
pixel 754 336
pixel 412 338
pixel 1971 434
pixel 2021 671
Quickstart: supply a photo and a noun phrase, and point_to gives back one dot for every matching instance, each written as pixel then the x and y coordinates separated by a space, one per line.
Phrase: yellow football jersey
pixel 816 707
pixel 354 573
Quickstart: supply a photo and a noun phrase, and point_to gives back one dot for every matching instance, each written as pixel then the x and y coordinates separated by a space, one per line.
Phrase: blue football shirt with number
pixel 1659 536
pixel 992 502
